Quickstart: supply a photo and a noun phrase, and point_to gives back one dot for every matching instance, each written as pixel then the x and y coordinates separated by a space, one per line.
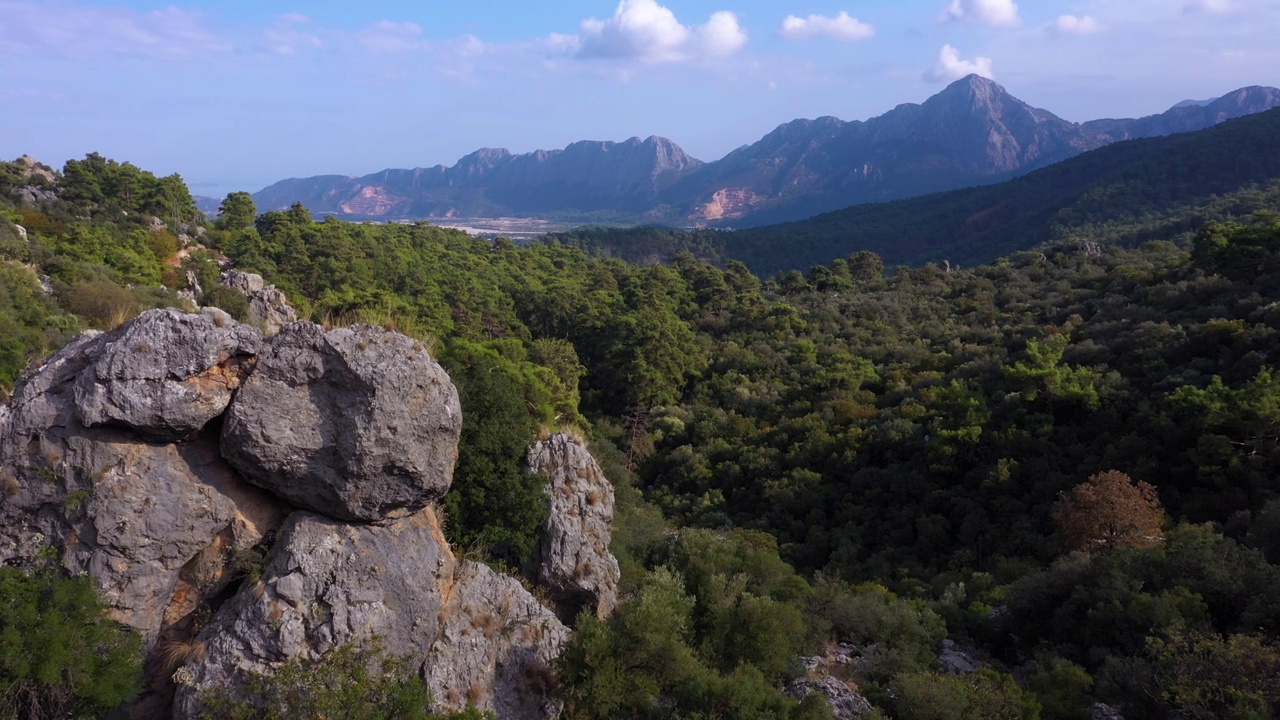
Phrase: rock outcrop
pixel 573 557
pixel 127 454
pixel 495 647
pixel 166 374
pixel 954 661
pixel 372 423
pixel 132 515
pixel 844 702
pixel 268 307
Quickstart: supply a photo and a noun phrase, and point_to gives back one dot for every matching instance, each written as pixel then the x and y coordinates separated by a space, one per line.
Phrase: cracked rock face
pixel 574 559
pixel 478 637
pixel 495 647
pixel 167 373
pixel 131 514
pixel 357 424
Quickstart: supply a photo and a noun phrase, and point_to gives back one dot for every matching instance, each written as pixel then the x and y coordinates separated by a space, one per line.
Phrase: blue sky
pixel 236 94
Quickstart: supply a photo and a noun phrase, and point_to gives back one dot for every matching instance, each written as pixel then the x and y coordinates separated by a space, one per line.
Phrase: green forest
pixel 1062 461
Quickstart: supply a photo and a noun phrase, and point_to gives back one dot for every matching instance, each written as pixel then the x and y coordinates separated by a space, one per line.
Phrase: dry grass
pixel 475 692
pixel 486 623
pixel 177 653
pixel 9 483
pixel 404 324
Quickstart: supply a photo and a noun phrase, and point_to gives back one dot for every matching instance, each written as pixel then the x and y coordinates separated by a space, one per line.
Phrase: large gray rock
pixel 268 306
pixel 1102 711
pixel 845 703
pixel 476 636
pixel 574 562
pixel 357 424
pixel 954 661
pixel 137 517
pixel 166 373
pixel 495 648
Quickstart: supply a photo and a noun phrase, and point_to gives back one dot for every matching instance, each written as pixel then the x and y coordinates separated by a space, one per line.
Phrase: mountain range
pixel 1124 194
pixel 972 133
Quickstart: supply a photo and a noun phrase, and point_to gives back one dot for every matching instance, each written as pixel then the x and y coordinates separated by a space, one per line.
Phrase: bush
pixel 102 303
pixel 60 655
pixel 229 299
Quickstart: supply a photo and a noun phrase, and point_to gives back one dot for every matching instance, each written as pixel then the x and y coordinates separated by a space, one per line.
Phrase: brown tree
pixel 1109 510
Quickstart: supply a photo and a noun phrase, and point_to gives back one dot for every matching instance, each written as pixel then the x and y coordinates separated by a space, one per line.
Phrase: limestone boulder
pixel 166 373
pixel 135 516
pixel 845 703
pixel 574 562
pixel 357 424
pixel 476 636
pixel 268 306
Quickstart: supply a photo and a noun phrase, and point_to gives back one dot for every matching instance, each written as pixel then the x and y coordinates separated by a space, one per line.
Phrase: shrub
pixel 228 299
pixel 60 655
pixel 351 681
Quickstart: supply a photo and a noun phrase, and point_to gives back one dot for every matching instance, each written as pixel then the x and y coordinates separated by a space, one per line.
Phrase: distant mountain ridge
pixel 1126 193
pixel 972 133
pixel 584 177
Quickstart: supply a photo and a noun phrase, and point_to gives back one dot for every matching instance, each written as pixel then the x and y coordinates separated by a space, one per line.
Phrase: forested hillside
pixel 1122 194
pixel 1062 460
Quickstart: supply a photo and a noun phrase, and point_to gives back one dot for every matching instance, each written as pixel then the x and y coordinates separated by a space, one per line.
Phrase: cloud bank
pixel 645 31
pixel 998 13
pixel 81 32
pixel 1076 25
pixel 841 27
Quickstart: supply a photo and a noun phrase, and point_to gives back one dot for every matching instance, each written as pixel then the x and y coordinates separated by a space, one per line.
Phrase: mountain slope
pixel 972 133
pixel 584 177
pixel 1125 192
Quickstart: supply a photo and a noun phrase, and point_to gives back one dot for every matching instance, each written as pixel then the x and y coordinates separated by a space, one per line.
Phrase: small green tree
pixel 60 655
pixel 237 211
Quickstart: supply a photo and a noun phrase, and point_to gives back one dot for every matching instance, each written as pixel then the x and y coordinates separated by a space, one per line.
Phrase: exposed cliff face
pixel 574 560
pixel 348 436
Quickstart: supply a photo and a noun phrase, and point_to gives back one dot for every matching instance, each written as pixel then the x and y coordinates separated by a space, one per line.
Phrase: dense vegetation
pixel 1123 194
pixel 1063 460
pixel 60 656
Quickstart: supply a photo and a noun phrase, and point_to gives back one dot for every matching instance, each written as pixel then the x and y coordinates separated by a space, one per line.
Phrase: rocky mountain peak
pixel 975 88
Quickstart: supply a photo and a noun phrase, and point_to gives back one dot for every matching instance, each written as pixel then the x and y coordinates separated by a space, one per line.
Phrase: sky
pixel 237 94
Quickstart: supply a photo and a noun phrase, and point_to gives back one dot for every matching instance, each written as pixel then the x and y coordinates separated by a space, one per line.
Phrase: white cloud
pixel 951 66
pixel 389 37
pixel 1213 7
pixel 62 29
pixel 644 31
pixel 1000 13
pixel 1073 25
pixel 286 37
pixel 841 27
pixel 722 35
